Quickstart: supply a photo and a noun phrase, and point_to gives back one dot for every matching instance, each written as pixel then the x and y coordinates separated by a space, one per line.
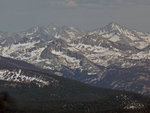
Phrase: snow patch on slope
pixel 97 54
pixel 18 47
pixel 115 38
pixel 18 76
pixel 69 61
pixel 141 55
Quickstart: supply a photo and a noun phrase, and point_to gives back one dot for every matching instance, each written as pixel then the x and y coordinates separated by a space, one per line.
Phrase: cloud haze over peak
pixel 18 15
pixel 73 3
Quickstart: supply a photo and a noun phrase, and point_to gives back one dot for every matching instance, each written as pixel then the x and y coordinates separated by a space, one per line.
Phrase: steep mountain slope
pixel 85 56
pixel 56 94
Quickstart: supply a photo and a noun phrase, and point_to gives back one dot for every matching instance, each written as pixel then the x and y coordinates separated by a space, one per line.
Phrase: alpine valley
pixel 110 57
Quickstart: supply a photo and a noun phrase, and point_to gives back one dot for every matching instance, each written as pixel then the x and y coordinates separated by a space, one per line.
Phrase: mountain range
pixel 113 56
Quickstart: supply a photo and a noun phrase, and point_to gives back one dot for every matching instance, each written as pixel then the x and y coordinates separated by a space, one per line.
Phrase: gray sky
pixel 19 15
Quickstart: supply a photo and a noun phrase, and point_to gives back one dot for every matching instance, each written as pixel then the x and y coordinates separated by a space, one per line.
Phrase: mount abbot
pixel 112 56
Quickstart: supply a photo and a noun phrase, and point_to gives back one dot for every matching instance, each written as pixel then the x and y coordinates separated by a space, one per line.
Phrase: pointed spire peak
pixel 50 27
pixel 33 29
pixel 113 25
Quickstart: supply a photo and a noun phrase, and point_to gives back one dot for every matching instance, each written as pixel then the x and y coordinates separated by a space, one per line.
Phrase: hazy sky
pixel 19 15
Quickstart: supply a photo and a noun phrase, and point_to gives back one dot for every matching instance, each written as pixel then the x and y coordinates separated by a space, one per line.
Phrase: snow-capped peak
pixel 115 27
pixel 123 35
pixel 33 29
pixel 109 28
